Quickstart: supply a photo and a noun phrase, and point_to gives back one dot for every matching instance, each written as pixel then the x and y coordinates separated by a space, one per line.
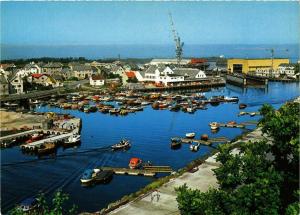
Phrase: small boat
pixel 242 113
pixel 155 105
pixel 231 123
pixel 252 114
pixel 194 148
pixel 204 137
pixel 190 110
pixel 73 140
pixel 175 143
pixel 190 135
pixel 46 148
pixel 214 125
pixel 242 106
pixel 114 111
pixel 135 163
pixel 231 99
pixel 93 109
pixel 28 204
pixel 123 144
pixel 87 176
pixel 102 176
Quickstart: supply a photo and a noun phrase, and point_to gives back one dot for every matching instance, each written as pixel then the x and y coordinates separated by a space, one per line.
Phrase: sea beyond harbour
pixel 290 51
pixel 23 176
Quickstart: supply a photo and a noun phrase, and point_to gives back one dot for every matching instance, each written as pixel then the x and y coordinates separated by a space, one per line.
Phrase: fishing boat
pixel 135 163
pixel 190 135
pixel 175 143
pixel 214 125
pixel 204 137
pixel 194 148
pixel 123 144
pixel 46 148
pixel 242 106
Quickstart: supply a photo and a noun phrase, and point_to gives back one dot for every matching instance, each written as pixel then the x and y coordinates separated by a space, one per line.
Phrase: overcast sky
pixel 98 23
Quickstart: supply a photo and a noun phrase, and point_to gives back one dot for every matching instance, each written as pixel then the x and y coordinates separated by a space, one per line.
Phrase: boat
pixel 28 204
pixel 114 111
pixel 204 137
pixel 175 143
pixel 195 147
pixel 73 140
pixel 123 144
pixel 135 163
pixel 231 123
pixel 231 99
pixel 242 106
pixel 93 109
pixel 155 105
pixel 190 110
pixel 87 176
pixel 214 125
pixel 190 135
pixel 252 114
pixel 46 148
pixel 102 176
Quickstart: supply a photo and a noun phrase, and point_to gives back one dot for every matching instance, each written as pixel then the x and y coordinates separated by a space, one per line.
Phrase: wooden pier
pixel 146 171
pixel 227 125
pixel 204 142
pixel 34 145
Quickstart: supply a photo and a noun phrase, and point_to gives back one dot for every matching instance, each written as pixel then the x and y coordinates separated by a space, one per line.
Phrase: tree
pixel 56 207
pixel 259 178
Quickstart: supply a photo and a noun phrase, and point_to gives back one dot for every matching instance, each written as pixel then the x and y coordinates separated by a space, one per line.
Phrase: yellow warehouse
pixel 250 65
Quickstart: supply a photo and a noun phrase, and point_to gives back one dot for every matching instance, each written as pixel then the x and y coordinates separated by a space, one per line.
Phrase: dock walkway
pixel 147 171
pixel 21 134
pixel 37 144
pixel 204 142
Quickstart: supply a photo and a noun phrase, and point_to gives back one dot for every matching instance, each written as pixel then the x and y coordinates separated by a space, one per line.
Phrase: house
pixel 96 80
pixel 82 71
pixel 67 72
pixel 43 79
pixel 52 68
pixel 16 84
pixel 117 70
pixel 33 68
pixel 190 73
pixel 4 87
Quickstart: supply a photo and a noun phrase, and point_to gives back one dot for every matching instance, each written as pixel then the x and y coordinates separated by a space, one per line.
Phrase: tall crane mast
pixel 178 43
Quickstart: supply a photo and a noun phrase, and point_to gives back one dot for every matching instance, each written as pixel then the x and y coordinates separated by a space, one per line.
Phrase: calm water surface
pixel 150 132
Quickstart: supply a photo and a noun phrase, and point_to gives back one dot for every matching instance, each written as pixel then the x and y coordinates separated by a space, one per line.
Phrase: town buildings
pixel 96 80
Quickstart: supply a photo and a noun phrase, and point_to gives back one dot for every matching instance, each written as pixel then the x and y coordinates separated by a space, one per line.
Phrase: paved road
pixel 44 93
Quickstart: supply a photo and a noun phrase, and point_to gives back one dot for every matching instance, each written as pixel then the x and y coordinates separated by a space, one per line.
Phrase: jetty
pixel 21 134
pixel 37 144
pixel 146 171
pixel 204 142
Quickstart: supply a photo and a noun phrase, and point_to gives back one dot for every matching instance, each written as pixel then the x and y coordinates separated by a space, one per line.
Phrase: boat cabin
pixel 135 163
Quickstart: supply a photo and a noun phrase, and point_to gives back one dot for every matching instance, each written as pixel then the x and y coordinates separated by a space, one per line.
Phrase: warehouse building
pixel 252 65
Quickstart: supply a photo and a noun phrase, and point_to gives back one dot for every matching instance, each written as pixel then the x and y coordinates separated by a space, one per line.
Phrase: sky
pixel 100 23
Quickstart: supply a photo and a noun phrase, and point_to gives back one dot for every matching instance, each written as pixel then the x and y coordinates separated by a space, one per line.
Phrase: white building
pixel 169 61
pixel 287 70
pixel 166 76
pixel 16 83
pixel 33 68
pixel 96 80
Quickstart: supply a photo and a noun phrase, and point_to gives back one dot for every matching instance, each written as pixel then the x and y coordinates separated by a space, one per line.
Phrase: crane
pixel 178 43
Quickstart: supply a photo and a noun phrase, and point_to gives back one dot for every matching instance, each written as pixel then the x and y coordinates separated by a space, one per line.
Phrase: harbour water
pixel 150 131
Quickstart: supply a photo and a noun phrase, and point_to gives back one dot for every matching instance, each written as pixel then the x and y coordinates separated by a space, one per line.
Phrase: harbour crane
pixel 178 43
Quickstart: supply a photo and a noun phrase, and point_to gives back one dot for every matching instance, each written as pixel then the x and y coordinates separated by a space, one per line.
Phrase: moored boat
pixel 135 163
pixel 102 176
pixel 190 135
pixel 195 147
pixel 46 148
pixel 214 125
pixel 87 176
pixel 242 106
pixel 175 143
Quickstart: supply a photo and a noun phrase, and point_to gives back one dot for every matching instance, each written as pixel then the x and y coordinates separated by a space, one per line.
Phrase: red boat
pixel 135 163
pixel 34 137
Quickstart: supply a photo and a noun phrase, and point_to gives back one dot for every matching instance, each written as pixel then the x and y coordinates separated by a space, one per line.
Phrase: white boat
pixel 214 125
pixel 75 138
pixel 190 110
pixel 194 148
pixel 190 135
pixel 123 144
pixel 87 176
pixel 252 114
pixel 231 99
pixel 11 104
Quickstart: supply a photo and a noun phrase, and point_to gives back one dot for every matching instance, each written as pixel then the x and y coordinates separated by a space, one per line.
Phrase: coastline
pixel 143 202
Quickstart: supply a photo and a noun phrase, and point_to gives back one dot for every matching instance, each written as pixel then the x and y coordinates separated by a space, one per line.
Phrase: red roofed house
pixel 96 80
pixel 131 77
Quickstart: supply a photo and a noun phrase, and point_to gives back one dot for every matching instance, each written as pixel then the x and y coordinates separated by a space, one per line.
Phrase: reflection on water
pixel 149 131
